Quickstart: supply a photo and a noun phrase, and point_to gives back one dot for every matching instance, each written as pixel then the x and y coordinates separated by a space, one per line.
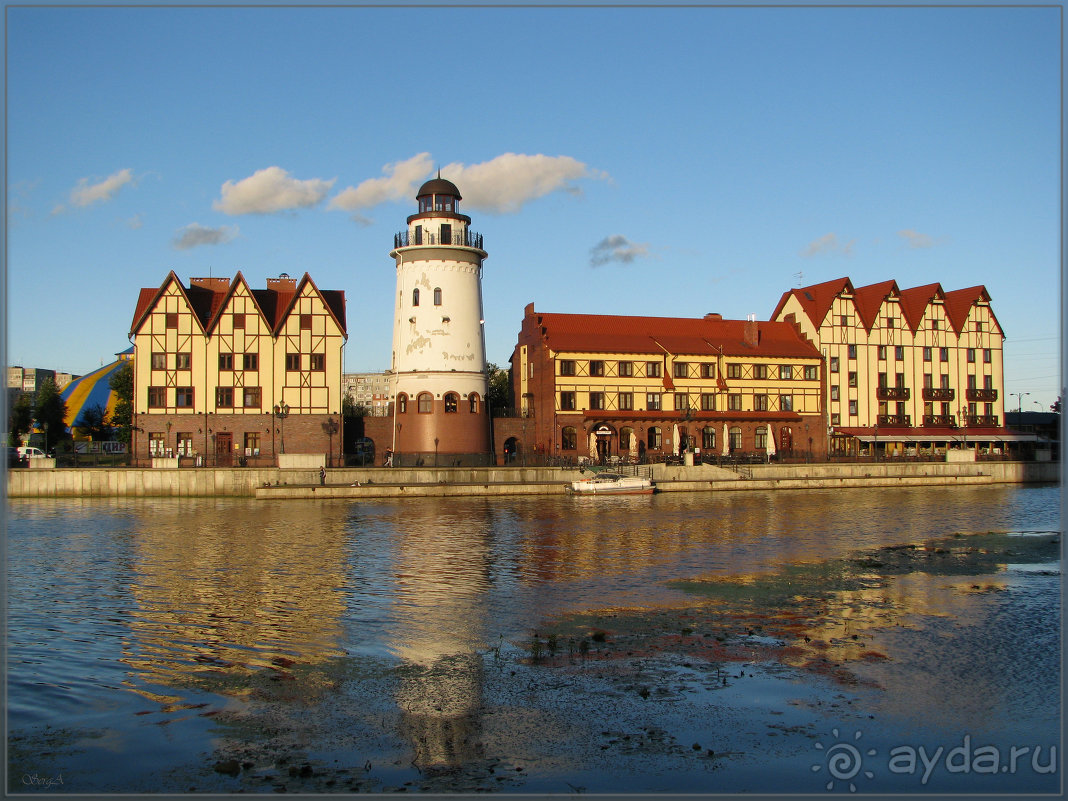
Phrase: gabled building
pixel 602 386
pixel 909 370
pixel 226 374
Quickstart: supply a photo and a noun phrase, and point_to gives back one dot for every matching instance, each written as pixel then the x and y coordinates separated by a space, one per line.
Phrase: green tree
pixel 51 411
pixel 94 422
pixel 20 419
pixel 122 385
pixel 499 394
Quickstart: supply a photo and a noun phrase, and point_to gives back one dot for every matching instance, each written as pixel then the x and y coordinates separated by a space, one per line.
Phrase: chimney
pixel 282 283
pixel 713 316
pixel 751 334
pixel 214 284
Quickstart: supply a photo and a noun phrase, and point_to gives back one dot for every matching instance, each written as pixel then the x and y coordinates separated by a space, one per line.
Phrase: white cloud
pixel 828 243
pixel 196 234
pixel 503 184
pixel 915 239
pixel 134 222
pixel 617 248
pixel 400 181
pixel 270 190
pixel 86 194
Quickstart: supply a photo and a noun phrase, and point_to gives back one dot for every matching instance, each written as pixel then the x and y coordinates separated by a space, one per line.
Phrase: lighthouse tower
pixel 439 351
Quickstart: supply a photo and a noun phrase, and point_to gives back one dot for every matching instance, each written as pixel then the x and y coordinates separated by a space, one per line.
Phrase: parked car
pixel 28 452
pixel 13 457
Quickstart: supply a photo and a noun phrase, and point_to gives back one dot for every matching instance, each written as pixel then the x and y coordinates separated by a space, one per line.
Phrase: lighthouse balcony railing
pixel 465 239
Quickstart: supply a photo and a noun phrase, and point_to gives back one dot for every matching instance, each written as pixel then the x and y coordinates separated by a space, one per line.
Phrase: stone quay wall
pixel 408 482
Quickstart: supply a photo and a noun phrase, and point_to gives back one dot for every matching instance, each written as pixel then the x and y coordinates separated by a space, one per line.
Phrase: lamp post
pixel 875 445
pixel 1019 400
pixel 282 412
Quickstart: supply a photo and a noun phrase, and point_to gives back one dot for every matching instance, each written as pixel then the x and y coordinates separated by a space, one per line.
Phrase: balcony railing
pixel 981 420
pixel 938 394
pixel 894 420
pixel 465 238
pixel 940 420
pixel 981 395
pixel 892 393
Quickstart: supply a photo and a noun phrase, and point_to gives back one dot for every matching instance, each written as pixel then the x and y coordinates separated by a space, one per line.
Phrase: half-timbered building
pixel 225 374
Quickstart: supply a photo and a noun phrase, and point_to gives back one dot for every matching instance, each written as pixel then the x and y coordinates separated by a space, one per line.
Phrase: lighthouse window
pixel 473 400
pixel 415 297
pixel 426 403
pixel 451 401
pixel 437 296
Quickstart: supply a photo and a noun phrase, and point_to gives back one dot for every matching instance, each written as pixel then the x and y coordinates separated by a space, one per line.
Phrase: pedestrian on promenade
pixel 389 459
pixel 322 476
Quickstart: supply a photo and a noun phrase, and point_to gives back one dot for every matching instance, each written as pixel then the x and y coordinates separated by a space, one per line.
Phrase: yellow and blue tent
pixel 93 389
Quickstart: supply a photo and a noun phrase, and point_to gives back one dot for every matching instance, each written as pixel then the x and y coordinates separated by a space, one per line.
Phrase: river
pixel 521 644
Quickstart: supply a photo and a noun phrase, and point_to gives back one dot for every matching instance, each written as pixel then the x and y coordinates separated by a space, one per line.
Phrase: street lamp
pixel 1019 400
pixel 282 412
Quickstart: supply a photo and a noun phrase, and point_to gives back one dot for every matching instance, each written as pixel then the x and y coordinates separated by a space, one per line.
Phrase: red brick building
pixel 601 386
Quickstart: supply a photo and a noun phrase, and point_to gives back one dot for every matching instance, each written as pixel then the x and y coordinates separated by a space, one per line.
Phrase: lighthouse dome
pixel 439 186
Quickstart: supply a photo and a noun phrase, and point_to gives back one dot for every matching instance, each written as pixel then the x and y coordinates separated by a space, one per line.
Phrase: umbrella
pixel 724 447
pixel 771 442
pixel 675 439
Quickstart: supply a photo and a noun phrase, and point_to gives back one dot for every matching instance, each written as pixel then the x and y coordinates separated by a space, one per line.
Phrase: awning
pixel 991 437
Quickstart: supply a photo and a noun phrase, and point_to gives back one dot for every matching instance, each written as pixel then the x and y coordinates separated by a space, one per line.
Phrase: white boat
pixel 613 484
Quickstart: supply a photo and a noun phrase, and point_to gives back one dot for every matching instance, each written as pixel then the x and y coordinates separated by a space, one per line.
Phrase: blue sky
pixel 653 161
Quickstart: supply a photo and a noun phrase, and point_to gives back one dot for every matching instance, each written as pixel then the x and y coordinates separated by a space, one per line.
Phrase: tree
pixel 94 422
pixel 1056 407
pixel 51 411
pixel 499 393
pixel 122 385
pixel 20 419
pixel 350 408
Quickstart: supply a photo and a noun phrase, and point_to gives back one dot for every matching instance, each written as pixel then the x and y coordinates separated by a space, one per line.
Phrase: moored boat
pixel 613 484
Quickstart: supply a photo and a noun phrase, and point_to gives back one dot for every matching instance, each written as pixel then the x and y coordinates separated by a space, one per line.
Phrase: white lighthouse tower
pixel 439 351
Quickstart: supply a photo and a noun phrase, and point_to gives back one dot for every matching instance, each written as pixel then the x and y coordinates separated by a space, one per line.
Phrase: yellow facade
pixel 222 349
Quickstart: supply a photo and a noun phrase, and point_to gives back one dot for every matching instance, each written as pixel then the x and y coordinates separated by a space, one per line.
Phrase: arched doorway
pixel 511 449
pixel 601 437
pixel 786 439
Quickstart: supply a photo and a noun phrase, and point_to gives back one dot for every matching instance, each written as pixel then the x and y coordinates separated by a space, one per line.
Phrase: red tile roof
pixel 914 303
pixel 959 304
pixel 869 299
pixel 816 300
pixel 207 298
pixel 676 336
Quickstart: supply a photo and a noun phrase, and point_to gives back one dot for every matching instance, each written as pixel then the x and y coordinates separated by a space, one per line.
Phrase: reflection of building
pixel 598 385
pixel 439 351
pixel 905 367
pixel 442 569
pixel 214 360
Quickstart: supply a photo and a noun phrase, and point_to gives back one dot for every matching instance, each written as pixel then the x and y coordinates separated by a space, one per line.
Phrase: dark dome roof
pixel 439 186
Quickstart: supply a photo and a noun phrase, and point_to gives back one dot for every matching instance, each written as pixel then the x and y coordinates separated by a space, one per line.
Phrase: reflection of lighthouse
pixel 442 567
pixel 439 353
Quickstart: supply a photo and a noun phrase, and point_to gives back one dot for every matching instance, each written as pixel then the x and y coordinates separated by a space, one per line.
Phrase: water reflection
pixel 233 589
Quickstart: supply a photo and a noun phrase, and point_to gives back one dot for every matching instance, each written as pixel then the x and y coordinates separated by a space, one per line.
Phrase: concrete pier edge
pixel 374 482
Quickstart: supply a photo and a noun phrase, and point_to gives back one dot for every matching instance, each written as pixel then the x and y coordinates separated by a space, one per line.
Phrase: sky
pixel 638 161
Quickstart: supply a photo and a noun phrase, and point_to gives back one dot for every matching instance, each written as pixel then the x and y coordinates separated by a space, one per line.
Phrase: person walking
pixel 322 476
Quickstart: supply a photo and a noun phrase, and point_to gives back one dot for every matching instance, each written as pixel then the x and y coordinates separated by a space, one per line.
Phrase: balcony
pixel 938 394
pixel 904 420
pixel 465 238
pixel 892 393
pixel 981 395
pixel 940 419
pixel 981 419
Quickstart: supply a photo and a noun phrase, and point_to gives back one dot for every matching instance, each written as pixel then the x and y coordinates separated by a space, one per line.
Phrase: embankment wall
pixel 207 482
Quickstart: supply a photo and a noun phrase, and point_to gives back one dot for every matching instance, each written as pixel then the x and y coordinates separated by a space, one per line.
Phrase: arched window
pixel 415 296
pixel 437 296
pixel 567 438
pixel 708 438
pixel 472 399
pixel 426 403
pixel 451 402
pixel 654 438
pixel 402 404
pixel 734 442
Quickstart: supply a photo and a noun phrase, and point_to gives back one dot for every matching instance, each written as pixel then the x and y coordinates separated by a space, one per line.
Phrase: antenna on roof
pixel 800 278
